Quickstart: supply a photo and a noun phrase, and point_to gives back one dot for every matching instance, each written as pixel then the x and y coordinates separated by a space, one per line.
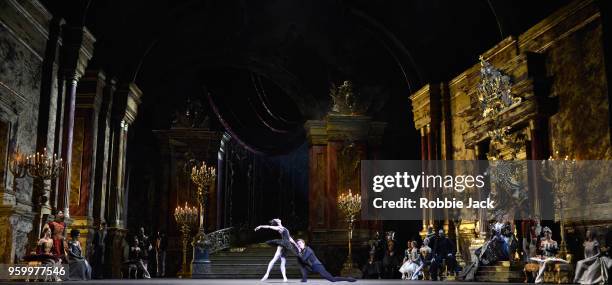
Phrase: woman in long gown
pixel 286 243
pixel 45 252
pixel 45 246
pixel 594 268
pixel 78 266
pixel 423 260
pixel 497 248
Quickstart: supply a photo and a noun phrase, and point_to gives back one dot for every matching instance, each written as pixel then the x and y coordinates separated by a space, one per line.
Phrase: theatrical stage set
pixel 168 141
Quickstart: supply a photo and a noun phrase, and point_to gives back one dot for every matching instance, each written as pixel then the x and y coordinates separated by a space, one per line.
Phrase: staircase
pixel 502 272
pixel 248 262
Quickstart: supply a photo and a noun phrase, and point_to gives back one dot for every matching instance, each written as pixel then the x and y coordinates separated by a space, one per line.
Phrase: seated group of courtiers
pixel 539 248
pixel 435 257
pixel 53 250
pixel 426 260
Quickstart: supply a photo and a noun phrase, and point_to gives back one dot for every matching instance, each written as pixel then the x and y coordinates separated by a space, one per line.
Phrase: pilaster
pixel 103 153
pixel 124 112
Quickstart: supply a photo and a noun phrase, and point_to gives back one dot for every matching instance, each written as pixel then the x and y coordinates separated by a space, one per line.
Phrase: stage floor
pixel 253 281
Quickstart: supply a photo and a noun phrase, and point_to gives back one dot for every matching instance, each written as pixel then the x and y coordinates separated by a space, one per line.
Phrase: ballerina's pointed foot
pixel 264 278
pixel 285 280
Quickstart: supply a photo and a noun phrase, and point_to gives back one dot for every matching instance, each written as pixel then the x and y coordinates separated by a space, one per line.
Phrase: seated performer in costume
pixel 391 261
pixel 373 268
pixel 410 262
pixel 497 248
pixel 595 267
pixel 45 246
pixel 282 246
pixel 78 265
pixel 135 258
pixel 310 263
pixel 45 253
pixel 425 259
pixel 549 248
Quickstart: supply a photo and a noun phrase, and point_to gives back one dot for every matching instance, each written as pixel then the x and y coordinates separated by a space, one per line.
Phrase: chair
pixel 131 269
pixel 563 273
pixel 530 270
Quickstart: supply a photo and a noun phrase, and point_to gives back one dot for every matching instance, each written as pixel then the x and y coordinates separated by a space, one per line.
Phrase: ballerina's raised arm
pixel 276 228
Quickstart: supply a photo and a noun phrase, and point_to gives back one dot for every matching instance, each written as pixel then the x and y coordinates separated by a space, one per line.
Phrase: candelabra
pixel 185 217
pixel 349 204
pixel 204 178
pixel 560 173
pixel 459 256
pixel 43 166
pixel 39 165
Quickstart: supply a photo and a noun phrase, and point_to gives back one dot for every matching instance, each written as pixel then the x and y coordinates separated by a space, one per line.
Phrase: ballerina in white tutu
pixel 410 263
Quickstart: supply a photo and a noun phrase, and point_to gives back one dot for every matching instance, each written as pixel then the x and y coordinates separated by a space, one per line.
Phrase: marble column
pixel 125 108
pixel 221 155
pixel 103 149
pixel 88 102
pixel 426 111
pixel 424 156
pixel 76 52
pixel 124 111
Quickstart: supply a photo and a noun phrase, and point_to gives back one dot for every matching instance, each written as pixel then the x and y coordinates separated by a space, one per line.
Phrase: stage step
pixel 502 272
pixel 249 262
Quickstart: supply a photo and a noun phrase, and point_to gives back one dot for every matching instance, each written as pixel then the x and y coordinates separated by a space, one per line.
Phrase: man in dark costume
pixel 310 263
pixel 373 268
pixel 99 246
pixel 161 245
pixel 391 261
pixel 444 253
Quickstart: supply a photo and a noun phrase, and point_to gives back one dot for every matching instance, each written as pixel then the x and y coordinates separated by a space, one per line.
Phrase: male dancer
pixel 309 262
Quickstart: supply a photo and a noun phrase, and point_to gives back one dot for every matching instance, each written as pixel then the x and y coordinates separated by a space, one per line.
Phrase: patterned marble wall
pixel 580 128
pixel 23 34
pixel 574 59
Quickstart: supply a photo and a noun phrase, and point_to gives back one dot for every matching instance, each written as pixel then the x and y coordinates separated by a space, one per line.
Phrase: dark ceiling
pixel 266 66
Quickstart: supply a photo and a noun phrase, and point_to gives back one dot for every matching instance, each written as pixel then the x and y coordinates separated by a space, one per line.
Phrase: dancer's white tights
pixel 277 255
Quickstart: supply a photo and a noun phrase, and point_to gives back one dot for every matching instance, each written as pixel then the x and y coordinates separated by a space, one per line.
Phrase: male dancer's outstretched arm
pixel 309 262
